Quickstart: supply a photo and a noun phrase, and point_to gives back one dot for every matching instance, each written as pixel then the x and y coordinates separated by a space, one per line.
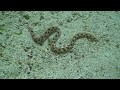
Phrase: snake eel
pixel 52 42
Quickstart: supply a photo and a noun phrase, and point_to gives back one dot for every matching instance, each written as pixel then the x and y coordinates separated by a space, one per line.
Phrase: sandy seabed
pixel 22 58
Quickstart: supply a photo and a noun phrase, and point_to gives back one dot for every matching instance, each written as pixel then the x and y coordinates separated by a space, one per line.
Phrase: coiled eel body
pixel 52 42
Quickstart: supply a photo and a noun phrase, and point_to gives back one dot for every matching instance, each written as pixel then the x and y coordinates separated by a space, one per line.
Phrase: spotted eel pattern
pixel 52 42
